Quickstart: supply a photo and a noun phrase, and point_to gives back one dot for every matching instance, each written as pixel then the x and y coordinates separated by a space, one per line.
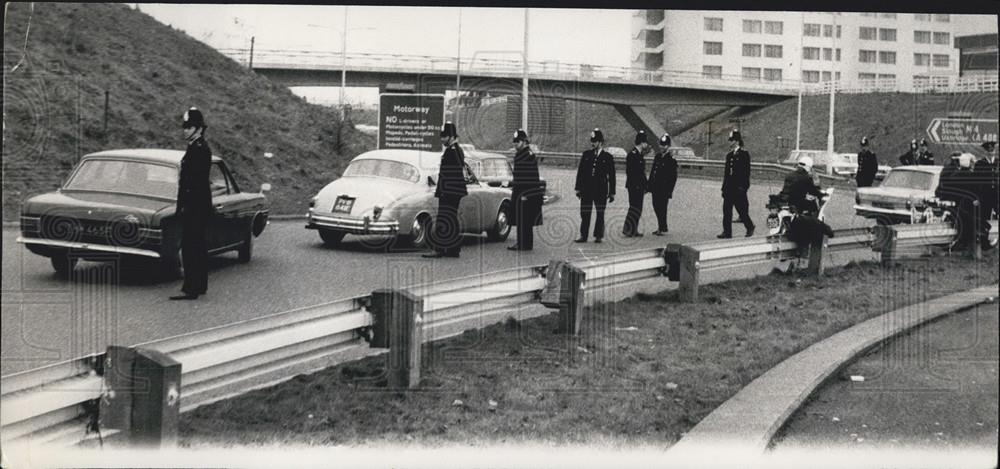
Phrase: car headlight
pixel 312 203
pixel 376 212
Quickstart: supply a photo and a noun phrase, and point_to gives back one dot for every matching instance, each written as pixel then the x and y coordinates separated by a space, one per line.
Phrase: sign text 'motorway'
pixel 410 121
pixel 958 131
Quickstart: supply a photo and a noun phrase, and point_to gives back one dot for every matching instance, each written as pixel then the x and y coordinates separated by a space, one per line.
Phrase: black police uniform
pixel 595 181
pixel 662 180
pixel 447 233
pixel 528 194
pixel 194 208
pixel 867 168
pixel 909 158
pixel 735 184
pixel 635 184
pixel 925 158
pixel 986 177
pixel 959 185
pixel 798 184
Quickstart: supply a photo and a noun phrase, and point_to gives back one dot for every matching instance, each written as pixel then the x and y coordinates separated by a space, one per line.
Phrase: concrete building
pixel 904 50
pixel 977 55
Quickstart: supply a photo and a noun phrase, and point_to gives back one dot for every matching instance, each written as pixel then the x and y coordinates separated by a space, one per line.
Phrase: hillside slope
pixel 54 104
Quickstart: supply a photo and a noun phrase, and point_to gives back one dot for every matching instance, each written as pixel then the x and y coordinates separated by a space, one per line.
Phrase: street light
pixel 343 56
pixel 833 87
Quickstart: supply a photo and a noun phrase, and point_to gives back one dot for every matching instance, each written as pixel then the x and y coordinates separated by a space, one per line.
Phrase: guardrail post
pixel 815 266
pixel 687 291
pixel 143 398
pixel 398 318
pixel 885 243
pixel 672 260
pixel 571 298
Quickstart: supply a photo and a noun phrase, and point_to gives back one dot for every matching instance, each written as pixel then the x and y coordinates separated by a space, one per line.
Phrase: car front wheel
pixel 331 237
pixel 419 231
pixel 501 227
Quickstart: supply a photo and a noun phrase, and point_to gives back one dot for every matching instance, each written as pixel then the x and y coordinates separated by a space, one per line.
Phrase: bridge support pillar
pixel 641 118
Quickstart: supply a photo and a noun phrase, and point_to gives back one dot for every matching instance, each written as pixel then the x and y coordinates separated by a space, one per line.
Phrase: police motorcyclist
pixel 924 156
pixel 910 157
pixel 799 185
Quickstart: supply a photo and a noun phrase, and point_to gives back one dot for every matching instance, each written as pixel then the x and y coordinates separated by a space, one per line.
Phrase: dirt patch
pixel 644 370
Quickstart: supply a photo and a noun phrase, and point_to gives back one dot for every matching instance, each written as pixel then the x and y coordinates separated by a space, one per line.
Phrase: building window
pixel 942 38
pixel 751 50
pixel 810 76
pixel 921 17
pixel 838 54
pixel 713 48
pixel 810 53
pixel 886 76
pixel 921 60
pixel 827 30
pixel 751 26
pixel 810 29
pixel 921 81
pixel 942 60
pixel 887 34
pixel 886 57
pixel 711 71
pixel 827 54
pixel 942 18
pixel 772 51
pixel 867 33
pixel 866 56
pixel 827 76
pixel 772 74
pixel 713 24
pixel 888 15
pixel 774 27
pixel 866 76
pixel 922 37
pixel 838 31
pixel 750 73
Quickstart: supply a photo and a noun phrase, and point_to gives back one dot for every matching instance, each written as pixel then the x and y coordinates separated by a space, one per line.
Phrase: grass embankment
pixel 54 104
pixel 644 370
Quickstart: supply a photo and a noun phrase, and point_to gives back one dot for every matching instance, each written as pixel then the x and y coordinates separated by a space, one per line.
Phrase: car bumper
pixel 870 211
pixel 352 225
pixel 55 243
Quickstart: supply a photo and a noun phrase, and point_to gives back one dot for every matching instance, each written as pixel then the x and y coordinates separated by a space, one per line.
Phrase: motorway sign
pixel 410 121
pixel 968 131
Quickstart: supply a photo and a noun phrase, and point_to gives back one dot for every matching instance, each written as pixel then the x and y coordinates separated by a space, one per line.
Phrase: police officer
pixel 194 206
pixel 924 156
pixel 662 179
pixel 867 165
pixel 595 186
pixel 799 185
pixel 987 177
pixel 527 193
pixel 635 183
pixel 447 234
pixel 910 157
pixel 735 183
pixel 959 185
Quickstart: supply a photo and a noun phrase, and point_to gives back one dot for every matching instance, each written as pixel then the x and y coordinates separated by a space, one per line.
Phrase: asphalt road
pixel 46 319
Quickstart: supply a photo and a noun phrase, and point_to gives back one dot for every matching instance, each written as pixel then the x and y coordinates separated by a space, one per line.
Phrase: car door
pixel 471 208
pixel 224 230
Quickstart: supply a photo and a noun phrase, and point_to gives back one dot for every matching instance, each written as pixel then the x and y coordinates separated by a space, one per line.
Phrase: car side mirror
pixel 430 181
pixel 265 187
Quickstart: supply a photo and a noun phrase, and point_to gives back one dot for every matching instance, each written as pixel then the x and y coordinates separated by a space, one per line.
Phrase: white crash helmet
pixel 806 162
pixel 965 160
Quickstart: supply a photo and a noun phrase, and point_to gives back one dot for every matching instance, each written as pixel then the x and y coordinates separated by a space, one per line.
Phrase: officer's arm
pixel 611 175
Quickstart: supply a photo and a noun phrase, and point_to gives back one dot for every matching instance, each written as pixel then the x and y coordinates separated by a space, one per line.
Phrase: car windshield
pixel 918 180
pixel 127 177
pixel 384 169
pixel 493 168
pixel 683 153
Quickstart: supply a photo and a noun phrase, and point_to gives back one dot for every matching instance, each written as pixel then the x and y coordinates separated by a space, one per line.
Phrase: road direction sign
pixel 410 121
pixel 957 131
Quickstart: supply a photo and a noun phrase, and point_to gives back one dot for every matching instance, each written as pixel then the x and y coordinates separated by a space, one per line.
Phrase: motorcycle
pixel 781 213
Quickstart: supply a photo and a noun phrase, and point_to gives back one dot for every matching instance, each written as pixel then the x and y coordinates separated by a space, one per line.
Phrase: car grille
pixel 117 232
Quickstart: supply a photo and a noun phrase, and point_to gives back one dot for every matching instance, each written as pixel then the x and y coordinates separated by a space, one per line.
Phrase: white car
pixel 391 192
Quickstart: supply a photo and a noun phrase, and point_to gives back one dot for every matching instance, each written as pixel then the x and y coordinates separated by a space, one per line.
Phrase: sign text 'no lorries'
pixel 410 121
pixel 970 131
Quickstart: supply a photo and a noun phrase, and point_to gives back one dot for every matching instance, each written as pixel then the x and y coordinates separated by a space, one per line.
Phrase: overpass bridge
pixel 629 90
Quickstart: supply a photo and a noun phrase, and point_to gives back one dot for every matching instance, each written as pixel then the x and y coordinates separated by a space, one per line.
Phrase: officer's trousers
pixel 636 197
pixel 589 203
pixel 737 199
pixel 447 233
pixel 660 203
pixel 194 254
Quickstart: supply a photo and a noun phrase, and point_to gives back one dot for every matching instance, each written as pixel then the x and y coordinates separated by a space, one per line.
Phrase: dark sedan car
pixel 118 205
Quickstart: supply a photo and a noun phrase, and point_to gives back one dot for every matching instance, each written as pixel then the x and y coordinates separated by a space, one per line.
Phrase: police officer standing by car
pixel 735 183
pixel 910 157
pixel 635 183
pixel 867 165
pixel 987 176
pixel 194 206
pixel 959 185
pixel 662 180
pixel 527 193
pixel 595 186
pixel 446 236
pixel 924 156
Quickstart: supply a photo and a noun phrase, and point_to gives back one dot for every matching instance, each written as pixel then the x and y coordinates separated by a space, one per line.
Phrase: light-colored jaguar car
pixel 391 192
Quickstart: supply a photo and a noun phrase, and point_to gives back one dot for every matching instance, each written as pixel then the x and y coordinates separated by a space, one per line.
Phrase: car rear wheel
pixel 331 237
pixel 420 231
pixel 245 251
pixel 63 264
pixel 501 226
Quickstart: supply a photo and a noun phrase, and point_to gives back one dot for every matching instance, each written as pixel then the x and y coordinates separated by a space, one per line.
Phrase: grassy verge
pixel 644 370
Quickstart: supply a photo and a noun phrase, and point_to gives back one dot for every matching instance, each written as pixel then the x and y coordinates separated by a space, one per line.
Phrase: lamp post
pixel 524 78
pixel 343 56
pixel 833 87
pixel 458 70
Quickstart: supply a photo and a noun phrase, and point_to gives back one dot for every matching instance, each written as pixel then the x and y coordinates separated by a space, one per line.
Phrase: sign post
pixel 410 121
pixel 962 131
